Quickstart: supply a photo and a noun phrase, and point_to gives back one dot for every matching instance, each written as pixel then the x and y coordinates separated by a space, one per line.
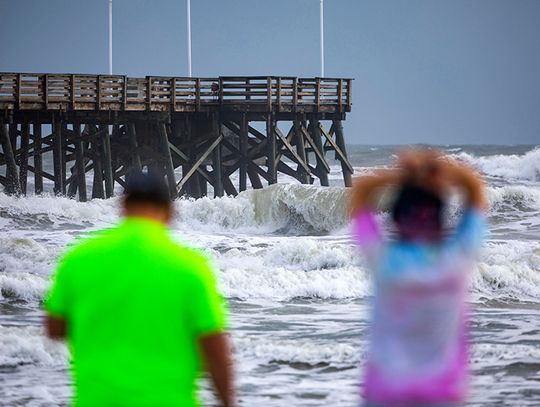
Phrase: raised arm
pixel 217 354
pixel 365 189
pixel 469 182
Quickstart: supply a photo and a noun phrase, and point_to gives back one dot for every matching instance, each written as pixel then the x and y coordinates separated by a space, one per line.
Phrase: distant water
pixel 297 288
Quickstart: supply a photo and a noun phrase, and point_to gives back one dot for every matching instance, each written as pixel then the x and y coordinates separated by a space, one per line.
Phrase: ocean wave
pixel 515 167
pixel 508 269
pixel 28 345
pixel 296 352
pixel 281 207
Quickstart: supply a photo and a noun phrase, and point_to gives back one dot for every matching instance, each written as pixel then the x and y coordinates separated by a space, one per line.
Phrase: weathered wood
pixel 297 158
pixel 216 171
pixel 38 159
pixel 271 150
pixel 80 163
pixel 243 144
pixel 346 167
pixel 165 126
pixel 107 160
pixel 96 151
pixel 57 156
pixel 313 135
pixel 12 183
pixel 136 158
pixel 229 187
pixel 254 178
pixel 23 158
pixel 341 155
pixel 302 175
pixel 188 175
pixel 169 167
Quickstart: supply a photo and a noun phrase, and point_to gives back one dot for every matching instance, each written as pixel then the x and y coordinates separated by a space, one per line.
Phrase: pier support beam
pixel 38 159
pixel 13 183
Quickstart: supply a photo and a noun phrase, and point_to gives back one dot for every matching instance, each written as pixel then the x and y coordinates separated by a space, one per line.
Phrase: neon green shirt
pixel 135 303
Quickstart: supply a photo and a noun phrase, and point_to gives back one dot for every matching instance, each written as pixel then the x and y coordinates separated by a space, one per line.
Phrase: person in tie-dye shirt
pixel 418 354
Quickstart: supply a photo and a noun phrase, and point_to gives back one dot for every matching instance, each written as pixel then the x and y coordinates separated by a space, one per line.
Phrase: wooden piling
pixel 342 154
pixel 38 159
pixel 169 167
pixel 216 160
pixel 23 156
pixel 243 144
pixel 106 160
pixel 80 163
pixel 314 138
pixel 13 183
pixel 96 151
pixel 57 156
pixel 271 150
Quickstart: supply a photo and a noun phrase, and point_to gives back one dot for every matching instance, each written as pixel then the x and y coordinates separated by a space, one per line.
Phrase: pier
pixel 195 132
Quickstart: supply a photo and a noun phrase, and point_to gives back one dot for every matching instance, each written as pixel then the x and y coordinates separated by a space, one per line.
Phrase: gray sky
pixel 446 72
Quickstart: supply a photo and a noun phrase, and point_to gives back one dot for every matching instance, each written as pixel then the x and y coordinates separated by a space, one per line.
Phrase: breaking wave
pixel 516 167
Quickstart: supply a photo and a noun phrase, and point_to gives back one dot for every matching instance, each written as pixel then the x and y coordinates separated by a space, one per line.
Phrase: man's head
pixel 417 214
pixel 147 196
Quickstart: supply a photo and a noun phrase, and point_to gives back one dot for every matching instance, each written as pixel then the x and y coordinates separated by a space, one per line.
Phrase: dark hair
pixel 415 203
pixel 146 188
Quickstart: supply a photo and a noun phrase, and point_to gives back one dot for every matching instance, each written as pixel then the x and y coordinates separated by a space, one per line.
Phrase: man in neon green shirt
pixel 141 314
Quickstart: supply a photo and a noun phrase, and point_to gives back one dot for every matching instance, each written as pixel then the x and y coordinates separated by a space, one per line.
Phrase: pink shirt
pixel 418 346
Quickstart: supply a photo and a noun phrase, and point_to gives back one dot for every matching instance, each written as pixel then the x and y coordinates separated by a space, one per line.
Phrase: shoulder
pixel 90 242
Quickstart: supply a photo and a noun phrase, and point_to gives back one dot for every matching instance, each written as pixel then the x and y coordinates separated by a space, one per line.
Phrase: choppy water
pixel 297 288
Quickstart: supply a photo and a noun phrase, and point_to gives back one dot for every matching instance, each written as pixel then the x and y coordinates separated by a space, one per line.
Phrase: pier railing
pixel 28 91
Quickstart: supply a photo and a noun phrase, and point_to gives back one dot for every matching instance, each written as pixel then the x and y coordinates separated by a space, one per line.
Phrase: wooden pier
pixel 194 132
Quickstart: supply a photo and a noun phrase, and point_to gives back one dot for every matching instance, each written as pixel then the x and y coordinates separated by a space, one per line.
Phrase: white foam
pixel 307 351
pixel 509 269
pixel 28 345
pixel 518 167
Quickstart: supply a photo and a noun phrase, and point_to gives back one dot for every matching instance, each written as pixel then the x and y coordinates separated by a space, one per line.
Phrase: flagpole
pixel 110 38
pixel 322 35
pixel 189 36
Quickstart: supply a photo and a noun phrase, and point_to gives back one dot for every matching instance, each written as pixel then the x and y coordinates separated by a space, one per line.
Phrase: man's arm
pixel 217 354
pixel 56 327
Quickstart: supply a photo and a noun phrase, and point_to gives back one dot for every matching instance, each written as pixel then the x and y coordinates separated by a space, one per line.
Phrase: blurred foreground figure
pixel 141 314
pixel 418 350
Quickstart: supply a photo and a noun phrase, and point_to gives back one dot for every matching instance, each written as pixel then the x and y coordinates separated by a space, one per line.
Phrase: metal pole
pixel 110 37
pixel 189 36
pixel 322 36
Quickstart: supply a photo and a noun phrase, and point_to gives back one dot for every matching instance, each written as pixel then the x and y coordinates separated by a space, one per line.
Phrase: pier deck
pixel 193 131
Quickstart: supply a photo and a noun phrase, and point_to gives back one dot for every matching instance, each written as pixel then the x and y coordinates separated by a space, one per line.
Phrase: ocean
pixel 298 289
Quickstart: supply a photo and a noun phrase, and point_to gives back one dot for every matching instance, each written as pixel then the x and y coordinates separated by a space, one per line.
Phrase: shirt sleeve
pixel 207 305
pixel 471 231
pixel 367 233
pixel 57 298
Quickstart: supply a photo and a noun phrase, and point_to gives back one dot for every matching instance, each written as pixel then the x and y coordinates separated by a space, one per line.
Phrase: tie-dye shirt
pixel 418 348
